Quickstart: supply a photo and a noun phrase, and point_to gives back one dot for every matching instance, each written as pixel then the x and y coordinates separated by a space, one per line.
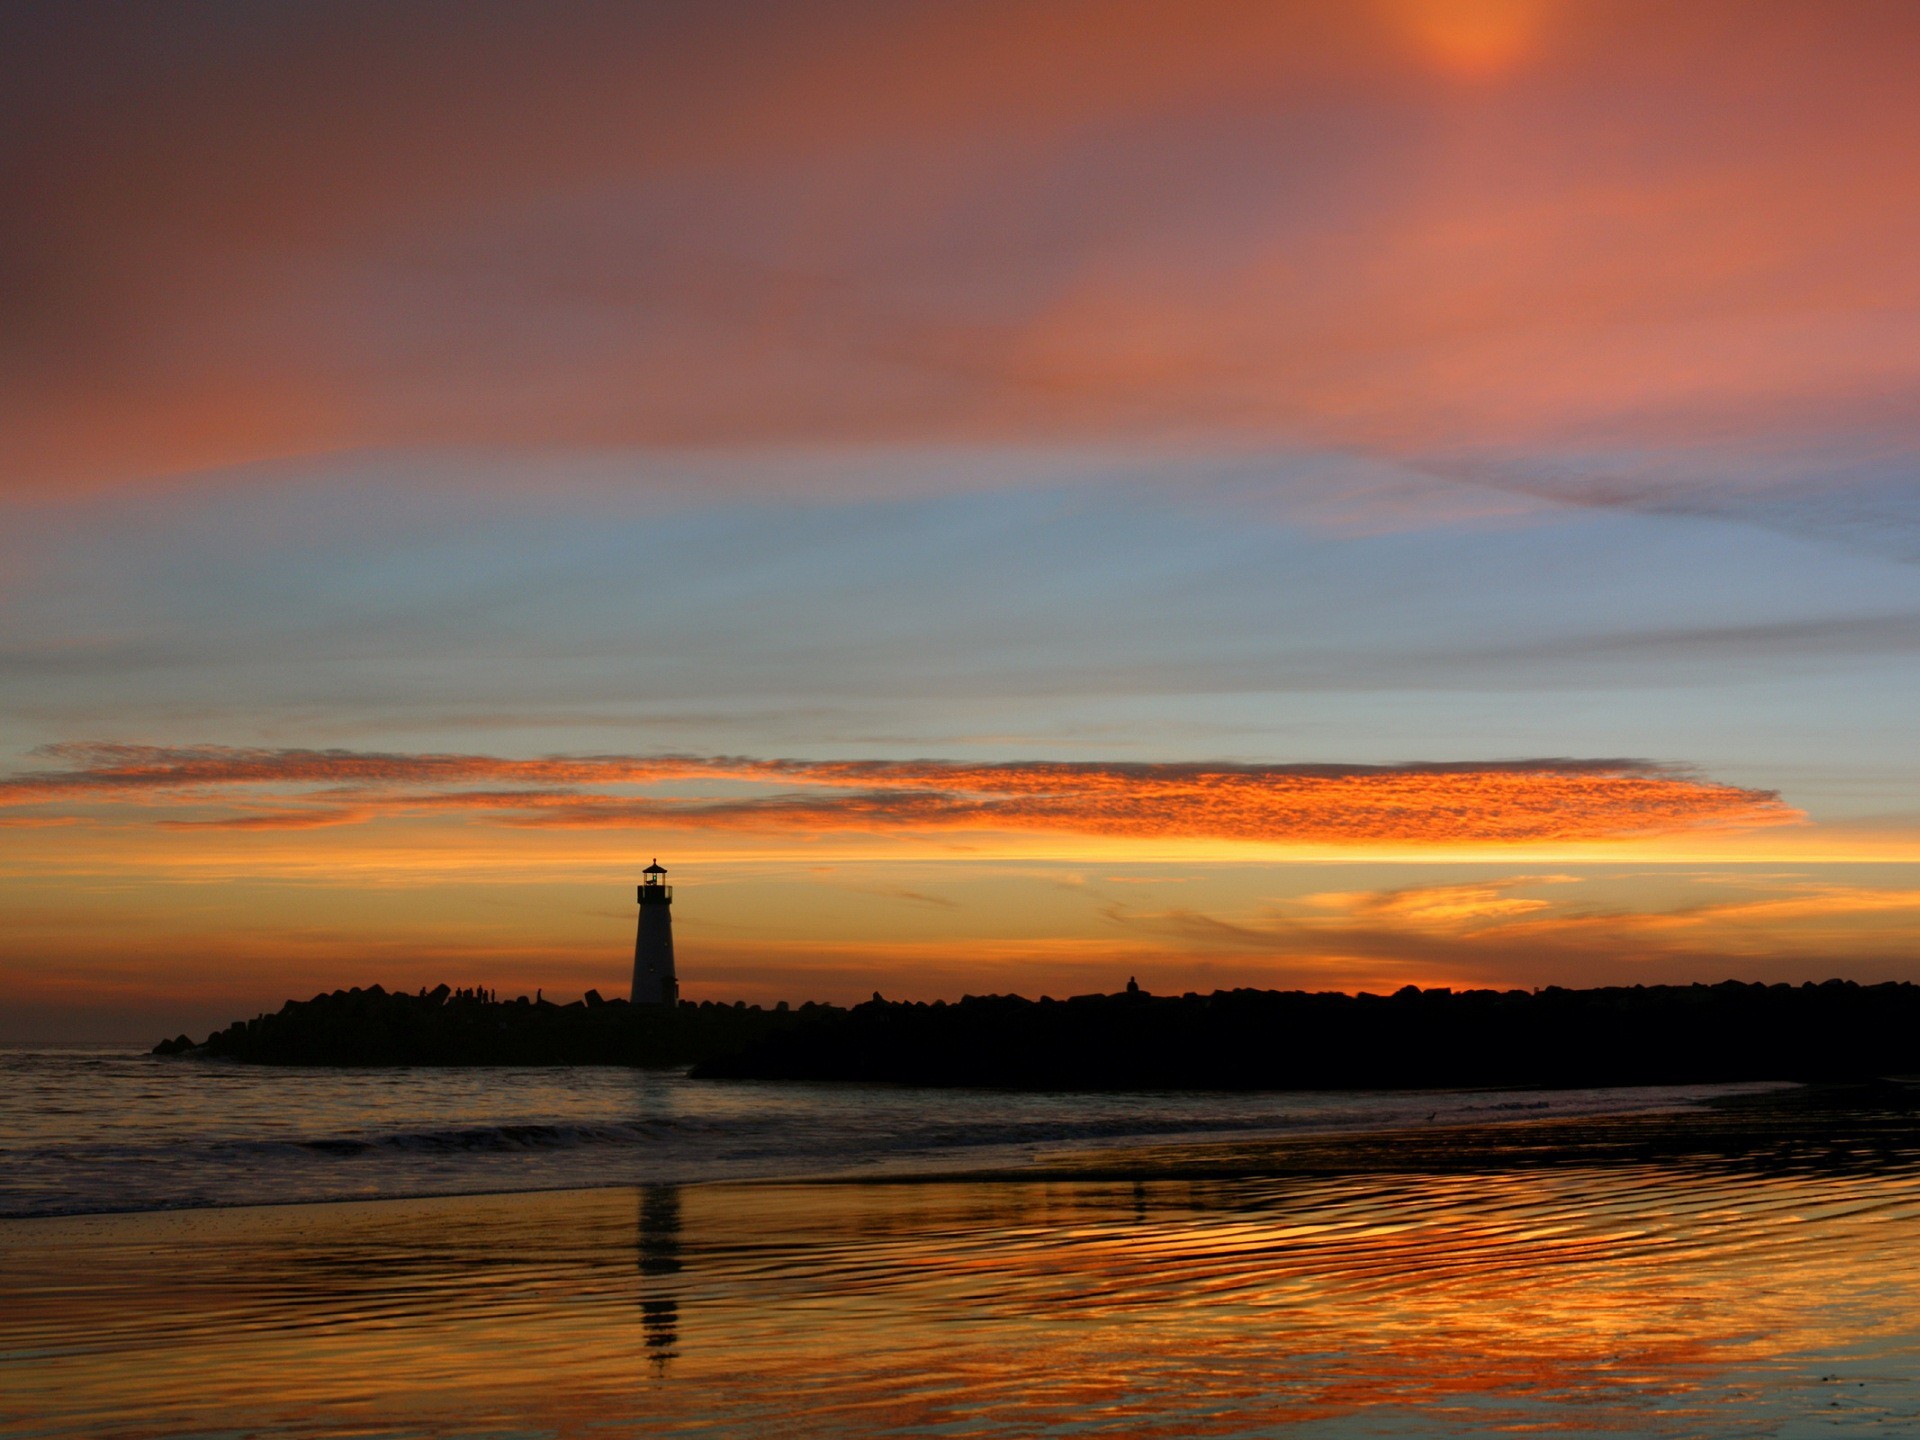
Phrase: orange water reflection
pixel 1650 1299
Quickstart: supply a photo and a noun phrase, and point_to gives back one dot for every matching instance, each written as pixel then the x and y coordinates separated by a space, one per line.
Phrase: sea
pixel 204 1249
pixel 88 1130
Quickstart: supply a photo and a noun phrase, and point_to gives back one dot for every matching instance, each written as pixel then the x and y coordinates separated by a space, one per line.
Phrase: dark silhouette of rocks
pixel 1230 1040
pixel 444 1026
pixel 1265 1039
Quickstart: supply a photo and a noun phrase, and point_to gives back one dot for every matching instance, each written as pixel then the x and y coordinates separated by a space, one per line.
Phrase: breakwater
pixel 1228 1040
pixel 1282 1040
pixel 444 1026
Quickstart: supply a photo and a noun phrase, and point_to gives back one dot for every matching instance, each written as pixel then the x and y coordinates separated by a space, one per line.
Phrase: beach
pixel 1749 1268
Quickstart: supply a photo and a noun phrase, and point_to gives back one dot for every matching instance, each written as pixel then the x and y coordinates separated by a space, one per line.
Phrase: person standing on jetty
pixel 654 982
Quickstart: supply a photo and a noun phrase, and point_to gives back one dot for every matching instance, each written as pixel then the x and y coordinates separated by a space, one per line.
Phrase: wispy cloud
pixel 1423 803
pixel 1471 903
pixel 1492 932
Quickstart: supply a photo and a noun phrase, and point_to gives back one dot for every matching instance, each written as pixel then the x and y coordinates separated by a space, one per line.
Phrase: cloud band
pixel 1424 803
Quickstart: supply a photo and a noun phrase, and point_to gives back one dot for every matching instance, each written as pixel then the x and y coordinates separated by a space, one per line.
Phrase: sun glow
pixel 1474 39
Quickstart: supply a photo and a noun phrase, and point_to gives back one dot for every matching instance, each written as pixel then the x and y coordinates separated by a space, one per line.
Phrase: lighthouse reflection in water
pixel 659 1255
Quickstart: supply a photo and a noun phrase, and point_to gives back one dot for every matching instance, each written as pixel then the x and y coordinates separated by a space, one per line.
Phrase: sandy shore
pixel 1724 1272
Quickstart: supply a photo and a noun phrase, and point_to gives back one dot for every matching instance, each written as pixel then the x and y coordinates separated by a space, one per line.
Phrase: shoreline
pixel 1669 1127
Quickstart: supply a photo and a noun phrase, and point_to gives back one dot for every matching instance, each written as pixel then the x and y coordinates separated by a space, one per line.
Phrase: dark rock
pixel 462 1027
pixel 1264 1039
pixel 1231 1039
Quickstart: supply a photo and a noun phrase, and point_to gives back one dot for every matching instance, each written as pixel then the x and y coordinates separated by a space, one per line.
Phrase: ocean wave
pixel 481 1139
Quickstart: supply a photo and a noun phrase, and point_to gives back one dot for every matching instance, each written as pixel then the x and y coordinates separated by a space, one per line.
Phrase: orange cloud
pixel 1480 933
pixel 1419 804
pixel 1804 904
pixel 1444 905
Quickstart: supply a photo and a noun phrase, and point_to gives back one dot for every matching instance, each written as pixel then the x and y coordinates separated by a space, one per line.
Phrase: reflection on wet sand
pixel 659 1252
pixel 1651 1298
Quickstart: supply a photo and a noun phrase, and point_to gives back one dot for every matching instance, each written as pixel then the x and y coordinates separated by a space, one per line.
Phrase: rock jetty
pixel 1285 1040
pixel 1229 1040
pixel 444 1026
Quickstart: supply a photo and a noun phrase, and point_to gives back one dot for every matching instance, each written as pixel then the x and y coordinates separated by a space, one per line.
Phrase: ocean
pixel 201 1250
pixel 86 1130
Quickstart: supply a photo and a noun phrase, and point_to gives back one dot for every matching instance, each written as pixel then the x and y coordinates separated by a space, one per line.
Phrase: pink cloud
pixel 612 228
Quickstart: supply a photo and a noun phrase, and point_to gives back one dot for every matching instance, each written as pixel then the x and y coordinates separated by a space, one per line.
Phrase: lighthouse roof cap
pixel 656 868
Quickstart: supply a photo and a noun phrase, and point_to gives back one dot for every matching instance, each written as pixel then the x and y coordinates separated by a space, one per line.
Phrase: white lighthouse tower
pixel 654 982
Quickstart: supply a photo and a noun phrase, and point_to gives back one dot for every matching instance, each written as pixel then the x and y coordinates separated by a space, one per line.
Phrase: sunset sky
pixel 994 496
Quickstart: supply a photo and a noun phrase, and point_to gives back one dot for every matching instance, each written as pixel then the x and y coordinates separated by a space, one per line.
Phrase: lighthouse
pixel 654 982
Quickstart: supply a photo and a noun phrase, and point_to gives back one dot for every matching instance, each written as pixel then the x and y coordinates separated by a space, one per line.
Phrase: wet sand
pixel 1749 1270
